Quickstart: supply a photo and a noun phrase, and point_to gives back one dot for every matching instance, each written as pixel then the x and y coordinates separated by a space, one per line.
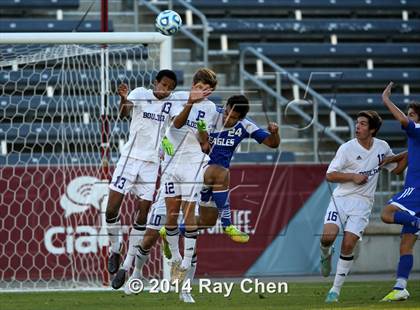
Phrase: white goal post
pixel 60 130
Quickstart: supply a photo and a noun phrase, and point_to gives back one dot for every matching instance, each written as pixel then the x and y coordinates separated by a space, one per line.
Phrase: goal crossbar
pixel 95 38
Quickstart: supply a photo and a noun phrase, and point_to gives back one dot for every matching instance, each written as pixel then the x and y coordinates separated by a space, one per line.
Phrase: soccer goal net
pixel 60 136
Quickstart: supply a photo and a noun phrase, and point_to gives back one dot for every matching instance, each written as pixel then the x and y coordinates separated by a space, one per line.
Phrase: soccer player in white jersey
pixel 355 168
pixel 137 168
pixel 183 175
pixel 156 220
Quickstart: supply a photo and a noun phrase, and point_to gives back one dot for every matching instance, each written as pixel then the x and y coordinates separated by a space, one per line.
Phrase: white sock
pixel 191 272
pixel 325 251
pixel 190 241
pixel 114 233
pixel 172 236
pixel 136 236
pixel 141 258
pixel 343 268
pixel 401 283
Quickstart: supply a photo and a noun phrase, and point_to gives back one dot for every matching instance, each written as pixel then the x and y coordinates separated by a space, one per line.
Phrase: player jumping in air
pixel 231 128
pixel 355 168
pixel 404 207
pixel 182 175
pixel 137 168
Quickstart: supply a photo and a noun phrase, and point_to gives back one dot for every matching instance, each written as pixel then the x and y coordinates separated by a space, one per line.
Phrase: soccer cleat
pixel 326 264
pixel 186 297
pixel 166 249
pixel 119 279
pixel 235 234
pixel 331 297
pixel 113 262
pixel 396 295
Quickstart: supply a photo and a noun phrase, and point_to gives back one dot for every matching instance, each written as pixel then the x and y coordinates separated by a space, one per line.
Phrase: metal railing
pixel 204 26
pixel 284 102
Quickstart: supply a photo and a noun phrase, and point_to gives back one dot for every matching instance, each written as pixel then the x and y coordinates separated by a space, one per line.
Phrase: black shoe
pixel 119 279
pixel 113 262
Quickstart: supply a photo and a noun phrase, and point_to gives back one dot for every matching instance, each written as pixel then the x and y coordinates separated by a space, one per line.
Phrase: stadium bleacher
pixel 31 25
pixel 39 4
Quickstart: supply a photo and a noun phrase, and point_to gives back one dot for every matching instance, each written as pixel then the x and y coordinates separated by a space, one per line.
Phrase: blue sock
pixel 221 200
pixel 225 216
pixel 404 267
pixel 405 218
pixel 182 229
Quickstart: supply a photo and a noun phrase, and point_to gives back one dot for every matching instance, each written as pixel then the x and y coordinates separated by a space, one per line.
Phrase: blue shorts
pixel 408 229
pixel 407 200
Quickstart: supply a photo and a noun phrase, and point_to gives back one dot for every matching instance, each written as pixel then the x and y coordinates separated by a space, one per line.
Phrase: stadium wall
pixel 51 219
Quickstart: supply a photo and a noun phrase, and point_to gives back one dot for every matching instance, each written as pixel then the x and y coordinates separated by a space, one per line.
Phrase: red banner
pixel 51 219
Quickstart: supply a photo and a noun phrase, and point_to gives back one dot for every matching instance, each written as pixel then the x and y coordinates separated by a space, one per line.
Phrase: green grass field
pixel 354 295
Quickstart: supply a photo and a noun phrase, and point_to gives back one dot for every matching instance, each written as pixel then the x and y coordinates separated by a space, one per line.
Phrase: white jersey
pixel 150 119
pixel 351 157
pixel 186 145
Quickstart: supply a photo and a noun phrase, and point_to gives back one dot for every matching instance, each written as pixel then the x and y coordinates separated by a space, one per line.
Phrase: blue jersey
pixel 223 141
pixel 413 169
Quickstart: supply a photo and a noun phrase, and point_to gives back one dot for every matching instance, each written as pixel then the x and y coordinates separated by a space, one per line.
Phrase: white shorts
pixel 136 176
pixel 157 216
pixel 349 214
pixel 183 179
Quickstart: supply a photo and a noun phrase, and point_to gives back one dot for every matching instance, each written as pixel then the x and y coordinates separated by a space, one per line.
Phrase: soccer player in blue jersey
pixel 404 207
pixel 221 143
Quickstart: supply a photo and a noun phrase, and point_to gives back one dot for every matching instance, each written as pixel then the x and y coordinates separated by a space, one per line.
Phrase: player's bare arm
pixel 198 92
pixel 341 177
pixel 273 140
pixel 396 112
pixel 125 105
pixel 401 159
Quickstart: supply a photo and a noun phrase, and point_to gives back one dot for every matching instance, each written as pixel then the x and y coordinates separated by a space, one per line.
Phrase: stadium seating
pixel 52 25
pixel 358 27
pixel 297 51
pixel 39 4
pixel 358 101
pixel 354 75
pixel 307 4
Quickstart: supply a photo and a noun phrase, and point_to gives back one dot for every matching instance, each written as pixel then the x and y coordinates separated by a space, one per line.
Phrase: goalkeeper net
pixel 60 136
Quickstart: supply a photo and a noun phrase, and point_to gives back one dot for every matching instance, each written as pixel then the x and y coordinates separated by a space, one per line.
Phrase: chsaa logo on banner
pixel 81 194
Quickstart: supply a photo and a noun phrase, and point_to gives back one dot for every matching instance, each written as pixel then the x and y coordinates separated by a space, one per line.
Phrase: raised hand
pixel 273 127
pixel 123 91
pixel 199 92
pixel 387 92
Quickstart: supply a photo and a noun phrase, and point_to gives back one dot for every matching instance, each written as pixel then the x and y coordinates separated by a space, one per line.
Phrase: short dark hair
pixel 415 105
pixel 239 104
pixel 166 73
pixel 375 121
pixel 205 76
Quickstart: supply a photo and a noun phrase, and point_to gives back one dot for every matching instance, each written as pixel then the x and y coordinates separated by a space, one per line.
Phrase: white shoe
pixel 186 297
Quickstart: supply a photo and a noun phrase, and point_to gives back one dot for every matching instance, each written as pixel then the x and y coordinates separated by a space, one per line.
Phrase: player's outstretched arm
pixel 197 94
pixel 273 140
pixel 341 177
pixel 125 105
pixel 396 112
